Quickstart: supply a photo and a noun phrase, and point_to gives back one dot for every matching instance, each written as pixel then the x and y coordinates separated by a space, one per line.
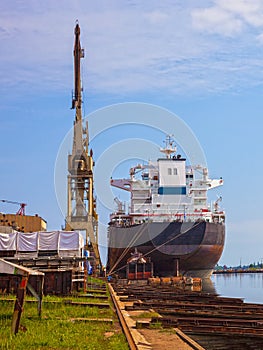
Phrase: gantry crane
pixel 81 212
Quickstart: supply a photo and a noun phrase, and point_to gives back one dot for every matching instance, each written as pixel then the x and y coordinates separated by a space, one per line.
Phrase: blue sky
pixel 201 60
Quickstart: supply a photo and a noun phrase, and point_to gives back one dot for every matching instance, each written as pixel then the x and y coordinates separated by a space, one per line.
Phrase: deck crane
pixel 21 210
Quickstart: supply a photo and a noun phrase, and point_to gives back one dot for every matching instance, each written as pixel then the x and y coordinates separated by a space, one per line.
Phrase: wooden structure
pixel 9 268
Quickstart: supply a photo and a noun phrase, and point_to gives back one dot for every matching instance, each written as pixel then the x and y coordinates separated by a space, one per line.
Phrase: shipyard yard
pixel 77 321
pixel 137 315
pixel 201 320
pixel 140 245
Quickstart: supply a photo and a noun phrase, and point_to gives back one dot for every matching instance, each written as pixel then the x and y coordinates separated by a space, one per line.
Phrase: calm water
pixel 248 286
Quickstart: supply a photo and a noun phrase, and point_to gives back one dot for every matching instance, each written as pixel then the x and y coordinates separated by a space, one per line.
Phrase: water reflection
pixel 208 286
pixel 247 286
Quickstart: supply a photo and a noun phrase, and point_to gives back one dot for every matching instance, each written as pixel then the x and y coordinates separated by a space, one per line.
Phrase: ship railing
pixel 147 217
pixel 168 217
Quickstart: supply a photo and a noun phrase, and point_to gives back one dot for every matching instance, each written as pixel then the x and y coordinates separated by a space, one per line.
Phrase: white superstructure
pixel 168 190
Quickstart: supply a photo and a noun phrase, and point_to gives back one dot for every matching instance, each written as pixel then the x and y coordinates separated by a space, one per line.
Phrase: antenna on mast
pixel 169 146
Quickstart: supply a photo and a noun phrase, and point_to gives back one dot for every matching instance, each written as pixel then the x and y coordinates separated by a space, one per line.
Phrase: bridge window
pixel 172 171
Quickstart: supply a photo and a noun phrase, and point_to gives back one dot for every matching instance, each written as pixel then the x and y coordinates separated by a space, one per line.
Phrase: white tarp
pixel 27 242
pixel 70 240
pixel 8 241
pixel 35 241
pixel 48 240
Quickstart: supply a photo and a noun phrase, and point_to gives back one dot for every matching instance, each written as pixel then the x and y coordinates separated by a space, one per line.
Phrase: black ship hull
pixel 192 249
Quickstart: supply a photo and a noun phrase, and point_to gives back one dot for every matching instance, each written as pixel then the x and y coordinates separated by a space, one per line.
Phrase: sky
pixel 201 61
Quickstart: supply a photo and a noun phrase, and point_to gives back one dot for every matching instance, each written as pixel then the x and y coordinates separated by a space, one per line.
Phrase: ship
pixel 169 222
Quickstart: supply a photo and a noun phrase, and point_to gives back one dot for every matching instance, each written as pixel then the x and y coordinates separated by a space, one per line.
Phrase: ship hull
pixel 190 249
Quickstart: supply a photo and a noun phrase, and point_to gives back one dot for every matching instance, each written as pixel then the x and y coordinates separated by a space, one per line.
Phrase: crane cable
pixel 161 245
pixel 135 238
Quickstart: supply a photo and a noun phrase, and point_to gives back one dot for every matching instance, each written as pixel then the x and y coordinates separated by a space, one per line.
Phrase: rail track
pixel 211 321
pixel 130 339
pixel 136 339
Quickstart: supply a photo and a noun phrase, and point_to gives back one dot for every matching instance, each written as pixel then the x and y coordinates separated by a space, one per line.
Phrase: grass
pixel 156 325
pixel 55 329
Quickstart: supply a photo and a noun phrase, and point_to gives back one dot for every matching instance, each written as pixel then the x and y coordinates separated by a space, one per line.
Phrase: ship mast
pixel 169 147
pixel 81 213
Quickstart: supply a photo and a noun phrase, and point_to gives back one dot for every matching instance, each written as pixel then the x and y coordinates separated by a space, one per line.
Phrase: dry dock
pixel 163 315
pixel 146 339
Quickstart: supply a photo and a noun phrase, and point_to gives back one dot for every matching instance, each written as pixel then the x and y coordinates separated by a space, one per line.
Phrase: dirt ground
pixel 164 340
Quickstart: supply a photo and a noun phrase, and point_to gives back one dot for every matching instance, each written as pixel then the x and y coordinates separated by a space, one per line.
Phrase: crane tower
pixel 81 212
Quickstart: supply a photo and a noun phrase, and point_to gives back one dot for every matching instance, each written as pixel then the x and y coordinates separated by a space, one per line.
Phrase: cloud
pixel 130 48
pixel 217 20
pixel 250 12
pixel 127 48
pixel 229 17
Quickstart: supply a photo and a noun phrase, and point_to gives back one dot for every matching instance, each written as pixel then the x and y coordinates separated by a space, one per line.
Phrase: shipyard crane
pixel 81 206
pixel 21 210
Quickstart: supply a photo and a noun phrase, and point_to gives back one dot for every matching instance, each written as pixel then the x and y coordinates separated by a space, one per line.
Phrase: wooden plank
pixel 18 309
